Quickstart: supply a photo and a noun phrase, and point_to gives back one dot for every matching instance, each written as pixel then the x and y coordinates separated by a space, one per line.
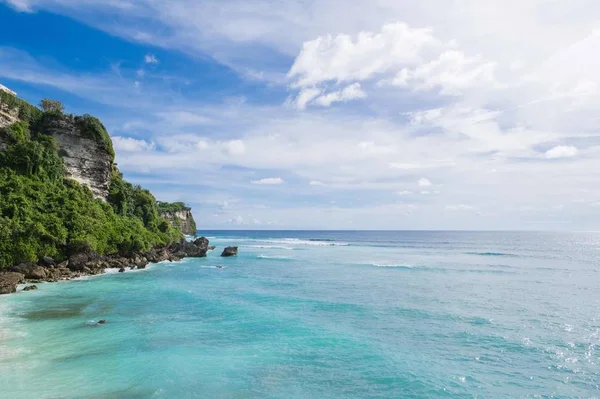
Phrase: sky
pixel 333 114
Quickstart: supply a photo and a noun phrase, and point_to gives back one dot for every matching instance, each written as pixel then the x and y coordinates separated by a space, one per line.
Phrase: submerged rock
pixel 230 251
pixel 30 288
pixel 102 322
pixel 9 281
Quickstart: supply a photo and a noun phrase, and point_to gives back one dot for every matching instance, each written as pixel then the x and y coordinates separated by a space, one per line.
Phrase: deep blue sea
pixel 321 315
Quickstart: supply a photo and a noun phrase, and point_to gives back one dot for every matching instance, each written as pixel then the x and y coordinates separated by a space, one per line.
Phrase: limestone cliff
pixel 179 216
pixel 87 156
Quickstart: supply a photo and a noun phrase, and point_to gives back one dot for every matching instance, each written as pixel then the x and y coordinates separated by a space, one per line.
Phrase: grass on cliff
pixel 44 214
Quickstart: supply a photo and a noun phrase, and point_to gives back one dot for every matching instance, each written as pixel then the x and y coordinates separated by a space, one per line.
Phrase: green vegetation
pixel 27 112
pixel 172 206
pixel 53 106
pixel 44 214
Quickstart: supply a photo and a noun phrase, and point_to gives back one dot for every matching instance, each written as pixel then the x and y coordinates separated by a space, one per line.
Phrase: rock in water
pixel 122 270
pixel 9 281
pixel 230 251
pixel 30 288
pixel 102 322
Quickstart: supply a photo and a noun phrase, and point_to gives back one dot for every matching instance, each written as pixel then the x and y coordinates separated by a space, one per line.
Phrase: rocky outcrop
pixel 230 251
pixel 30 288
pixel 9 282
pixel 196 249
pixel 90 263
pixel 87 158
pixel 182 219
pixel 8 116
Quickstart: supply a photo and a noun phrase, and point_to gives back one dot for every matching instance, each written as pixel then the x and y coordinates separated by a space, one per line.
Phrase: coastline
pixel 88 263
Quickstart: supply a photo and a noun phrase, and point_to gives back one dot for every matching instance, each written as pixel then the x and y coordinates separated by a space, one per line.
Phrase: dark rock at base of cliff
pixel 47 261
pixel 31 271
pixel 30 288
pixel 122 270
pixel 9 282
pixel 80 260
pixel 230 251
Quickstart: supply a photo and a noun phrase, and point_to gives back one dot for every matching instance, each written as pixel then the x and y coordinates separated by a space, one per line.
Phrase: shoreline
pixel 89 264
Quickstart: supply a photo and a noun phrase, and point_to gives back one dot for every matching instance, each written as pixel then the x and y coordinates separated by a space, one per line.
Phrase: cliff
pixel 63 196
pixel 85 148
pixel 179 215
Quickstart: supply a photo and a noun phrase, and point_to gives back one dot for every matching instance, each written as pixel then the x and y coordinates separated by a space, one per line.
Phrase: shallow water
pixel 321 314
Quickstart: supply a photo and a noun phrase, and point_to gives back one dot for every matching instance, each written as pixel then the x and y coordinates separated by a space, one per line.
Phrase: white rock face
pixel 183 219
pixel 86 160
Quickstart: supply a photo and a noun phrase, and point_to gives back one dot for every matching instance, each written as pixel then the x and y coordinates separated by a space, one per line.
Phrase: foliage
pixel 172 206
pixel 44 214
pixel 27 112
pixel 52 106
pixel 91 127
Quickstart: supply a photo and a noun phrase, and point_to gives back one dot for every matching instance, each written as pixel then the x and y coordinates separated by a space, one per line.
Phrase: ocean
pixel 321 314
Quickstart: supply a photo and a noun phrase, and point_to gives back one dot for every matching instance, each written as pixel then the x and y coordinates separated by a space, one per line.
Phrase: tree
pixel 54 106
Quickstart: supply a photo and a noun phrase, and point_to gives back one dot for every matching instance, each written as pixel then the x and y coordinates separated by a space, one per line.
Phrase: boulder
pixel 30 288
pixel 31 271
pixel 211 248
pixel 196 249
pixel 230 251
pixel 47 261
pixel 122 270
pixel 9 281
pixel 80 260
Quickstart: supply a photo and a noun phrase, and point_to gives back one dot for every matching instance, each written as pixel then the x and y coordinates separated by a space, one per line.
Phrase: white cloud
pixel 305 97
pixel 345 58
pixel 235 147
pixel 561 151
pixel 269 181
pixel 404 192
pixel 452 72
pixel 20 5
pixel 129 144
pixel 460 207
pixel 150 59
pixel 352 92
pixel 316 183
pixel 423 182
pixel 237 220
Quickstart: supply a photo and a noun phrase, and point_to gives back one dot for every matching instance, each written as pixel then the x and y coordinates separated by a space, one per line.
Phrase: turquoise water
pixel 321 315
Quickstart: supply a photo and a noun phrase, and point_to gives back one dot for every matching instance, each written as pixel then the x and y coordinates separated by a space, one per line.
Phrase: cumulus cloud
pixel 269 181
pixel 235 147
pixel 150 59
pixel 423 182
pixel 561 151
pixel 352 92
pixel 344 58
pixel 129 144
pixel 305 97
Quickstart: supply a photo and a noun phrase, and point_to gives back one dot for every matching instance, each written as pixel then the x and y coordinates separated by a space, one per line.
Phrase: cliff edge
pixel 179 215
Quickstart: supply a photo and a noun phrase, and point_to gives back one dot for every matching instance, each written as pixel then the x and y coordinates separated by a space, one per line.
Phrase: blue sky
pixel 373 114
